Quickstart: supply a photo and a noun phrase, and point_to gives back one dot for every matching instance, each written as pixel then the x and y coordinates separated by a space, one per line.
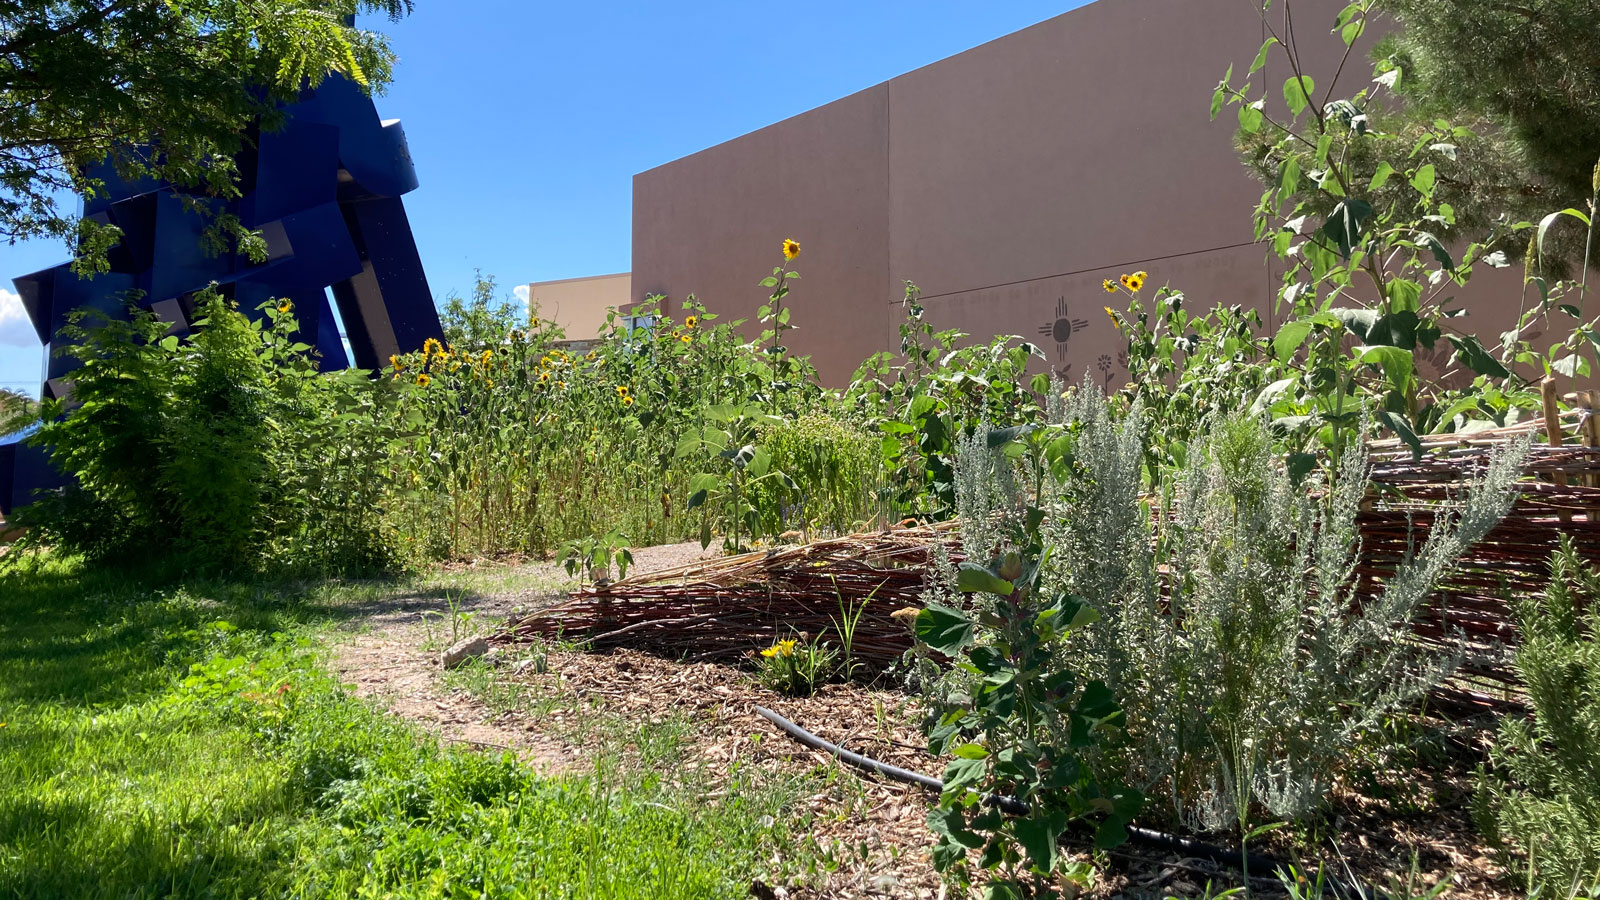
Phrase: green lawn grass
pixel 166 740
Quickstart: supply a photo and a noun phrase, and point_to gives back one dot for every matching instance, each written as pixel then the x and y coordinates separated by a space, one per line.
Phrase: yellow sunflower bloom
pixel 791 248
pixel 691 321
pixel 544 377
pixel 423 380
pixel 431 346
pixel 686 339
pixel 395 363
pixel 622 390
pixel 627 401
pixel 286 306
pixel 1136 281
pixel 1109 285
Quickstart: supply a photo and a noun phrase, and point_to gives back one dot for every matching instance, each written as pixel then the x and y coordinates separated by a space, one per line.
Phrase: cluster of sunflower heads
pixel 1132 282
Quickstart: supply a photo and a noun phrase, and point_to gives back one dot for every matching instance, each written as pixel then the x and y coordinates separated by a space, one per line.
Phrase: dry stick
pixel 1552 427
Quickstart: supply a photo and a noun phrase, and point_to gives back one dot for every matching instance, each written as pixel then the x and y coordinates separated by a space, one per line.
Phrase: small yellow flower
pixel 589 355
pixel 1134 282
pixel 781 648
pixel 1110 286
pixel 627 401
pixel 423 380
pixel 1115 322
pixel 691 321
pixel 622 390
pixel 487 356
pixel 562 383
pixel 791 248
pixel 686 339
pixel 533 322
pixel 286 306
pixel 395 363
pixel 544 377
pixel 431 346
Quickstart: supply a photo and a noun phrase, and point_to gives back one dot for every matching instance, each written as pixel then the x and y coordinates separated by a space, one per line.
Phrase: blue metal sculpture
pixel 324 191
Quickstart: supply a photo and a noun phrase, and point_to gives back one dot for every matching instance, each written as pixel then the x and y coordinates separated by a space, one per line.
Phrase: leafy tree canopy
pixel 84 80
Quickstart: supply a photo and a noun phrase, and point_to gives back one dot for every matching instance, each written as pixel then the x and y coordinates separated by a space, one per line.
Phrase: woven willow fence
pixel 728 607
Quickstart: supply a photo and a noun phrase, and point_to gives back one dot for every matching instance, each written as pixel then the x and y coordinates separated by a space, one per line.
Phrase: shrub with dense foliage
pixel 1541 800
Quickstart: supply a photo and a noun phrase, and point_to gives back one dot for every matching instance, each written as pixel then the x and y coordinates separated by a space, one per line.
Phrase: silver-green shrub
pixel 1231 631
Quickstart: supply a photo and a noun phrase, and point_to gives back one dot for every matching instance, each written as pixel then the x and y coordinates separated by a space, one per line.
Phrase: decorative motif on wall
pixel 1061 328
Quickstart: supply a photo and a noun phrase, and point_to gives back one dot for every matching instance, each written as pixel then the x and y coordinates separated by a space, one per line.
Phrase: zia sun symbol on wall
pixel 1062 328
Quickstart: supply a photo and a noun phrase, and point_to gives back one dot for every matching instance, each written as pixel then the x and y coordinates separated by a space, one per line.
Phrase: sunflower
pixel 423 380
pixel 622 390
pixel 1110 286
pixel 627 401
pixel 1134 282
pixel 544 377
pixel 691 321
pixel 286 306
pixel 1115 322
pixel 395 362
pixel 431 346
pixel 686 339
pixel 486 357
pixel 791 248
pixel 533 322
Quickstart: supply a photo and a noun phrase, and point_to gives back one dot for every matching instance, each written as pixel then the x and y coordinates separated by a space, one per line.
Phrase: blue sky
pixel 527 121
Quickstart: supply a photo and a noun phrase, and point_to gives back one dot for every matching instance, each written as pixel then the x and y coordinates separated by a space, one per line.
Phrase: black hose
pixel 1011 805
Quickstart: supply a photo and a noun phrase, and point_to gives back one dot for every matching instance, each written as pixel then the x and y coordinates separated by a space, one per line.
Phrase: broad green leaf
pixel 971 578
pixel 760 462
pixel 1346 224
pixel 944 629
pixel 1040 841
pixel 1547 221
pixel 971 751
pixel 1574 366
pixel 1397 364
pixel 1440 254
pixel 1290 337
pixel 1261 55
pixel 1381 177
pixel 963 773
pixel 1401 427
pixel 1250 117
pixel 1471 353
pixel 1297 93
pixel 1425 179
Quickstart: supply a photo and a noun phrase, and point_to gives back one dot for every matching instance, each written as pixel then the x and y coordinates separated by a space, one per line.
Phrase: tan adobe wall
pixel 1007 182
pixel 579 305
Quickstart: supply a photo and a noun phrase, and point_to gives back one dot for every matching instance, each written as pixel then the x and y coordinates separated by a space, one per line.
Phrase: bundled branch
pixel 728 607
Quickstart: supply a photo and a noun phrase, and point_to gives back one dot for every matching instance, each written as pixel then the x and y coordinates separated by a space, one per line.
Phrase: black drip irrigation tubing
pixel 1148 837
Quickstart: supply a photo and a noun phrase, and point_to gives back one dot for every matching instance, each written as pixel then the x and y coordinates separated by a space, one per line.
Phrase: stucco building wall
pixel 1006 181
pixel 579 305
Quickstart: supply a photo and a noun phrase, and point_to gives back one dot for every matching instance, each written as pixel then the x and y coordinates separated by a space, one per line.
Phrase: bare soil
pixel 873 830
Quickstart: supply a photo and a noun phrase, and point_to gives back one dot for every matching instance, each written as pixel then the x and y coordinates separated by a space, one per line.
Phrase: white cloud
pixel 521 291
pixel 15 328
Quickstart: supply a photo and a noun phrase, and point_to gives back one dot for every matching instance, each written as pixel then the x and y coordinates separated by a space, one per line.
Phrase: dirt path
pixel 391 653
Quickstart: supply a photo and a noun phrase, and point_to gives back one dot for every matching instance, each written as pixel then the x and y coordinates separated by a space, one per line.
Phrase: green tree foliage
pixel 17 411
pixel 83 80
pixel 1542 800
pixel 1531 69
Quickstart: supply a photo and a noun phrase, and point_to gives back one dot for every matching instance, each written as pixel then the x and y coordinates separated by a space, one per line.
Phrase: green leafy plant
pixel 795 666
pixel 1019 724
pixel 592 558
pixel 729 439
pixel 1540 800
